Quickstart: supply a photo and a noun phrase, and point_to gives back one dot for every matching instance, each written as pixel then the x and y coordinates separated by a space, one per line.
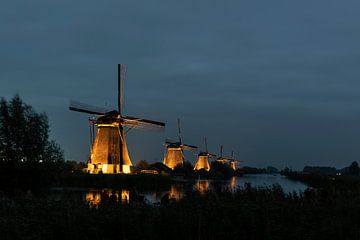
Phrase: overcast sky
pixel 276 81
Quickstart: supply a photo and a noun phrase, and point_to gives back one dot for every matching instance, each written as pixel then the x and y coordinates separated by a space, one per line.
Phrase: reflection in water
pixel 233 183
pixel 153 197
pixel 266 180
pixel 125 196
pixel 202 185
pixel 255 180
pixel 177 191
pixel 95 197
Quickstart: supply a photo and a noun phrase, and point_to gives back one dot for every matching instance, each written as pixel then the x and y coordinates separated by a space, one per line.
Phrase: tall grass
pixel 248 213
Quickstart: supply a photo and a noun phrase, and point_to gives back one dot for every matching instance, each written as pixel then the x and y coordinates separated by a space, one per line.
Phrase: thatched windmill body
pixel 109 152
pixel 203 159
pixel 174 155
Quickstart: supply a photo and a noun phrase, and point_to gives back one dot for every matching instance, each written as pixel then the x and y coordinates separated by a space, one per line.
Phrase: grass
pixel 249 213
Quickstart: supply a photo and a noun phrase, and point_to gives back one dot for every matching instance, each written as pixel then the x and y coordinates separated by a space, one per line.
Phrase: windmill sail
pixel 134 122
pixel 86 108
pixel 121 86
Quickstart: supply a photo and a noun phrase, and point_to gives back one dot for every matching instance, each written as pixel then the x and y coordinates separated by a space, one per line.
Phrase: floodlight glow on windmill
pixel 109 152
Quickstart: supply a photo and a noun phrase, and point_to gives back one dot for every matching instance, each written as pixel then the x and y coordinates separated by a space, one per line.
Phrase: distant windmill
pixel 109 153
pixel 220 158
pixel 233 161
pixel 230 161
pixel 203 159
pixel 174 151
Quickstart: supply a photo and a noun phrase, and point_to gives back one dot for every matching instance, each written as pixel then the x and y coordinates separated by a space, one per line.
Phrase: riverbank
pixel 248 213
pixel 321 180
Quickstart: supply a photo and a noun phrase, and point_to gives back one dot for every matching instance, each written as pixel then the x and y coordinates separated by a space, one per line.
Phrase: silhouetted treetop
pixel 24 134
pixel 354 169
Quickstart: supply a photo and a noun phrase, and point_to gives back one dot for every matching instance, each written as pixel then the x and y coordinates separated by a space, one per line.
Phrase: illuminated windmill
pixel 233 161
pixel 203 159
pixel 109 153
pixel 174 155
pixel 230 161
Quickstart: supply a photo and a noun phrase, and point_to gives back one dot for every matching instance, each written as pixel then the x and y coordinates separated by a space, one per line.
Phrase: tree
pixel 354 169
pixel 220 169
pixel 24 134
pixel 53 152
pixel 186 169
pixel 5 137
pixel 142 165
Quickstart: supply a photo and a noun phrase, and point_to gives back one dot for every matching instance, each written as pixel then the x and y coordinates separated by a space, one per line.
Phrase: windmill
pixel 109 153
pixel 230 161
pixel 220 158
pixel 233 161
pixel 174 151
pixel 203 159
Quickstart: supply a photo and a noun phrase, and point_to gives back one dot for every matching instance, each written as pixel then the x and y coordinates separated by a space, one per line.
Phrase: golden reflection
pixel 202 185
pixel 95 198
pixel 125 196
pixel 176 193
pixel 233 183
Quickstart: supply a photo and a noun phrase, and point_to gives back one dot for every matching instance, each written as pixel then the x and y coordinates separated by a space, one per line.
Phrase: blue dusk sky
pixel 277 82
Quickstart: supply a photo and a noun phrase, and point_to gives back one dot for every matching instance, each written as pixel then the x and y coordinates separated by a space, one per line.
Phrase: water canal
pixel 178 190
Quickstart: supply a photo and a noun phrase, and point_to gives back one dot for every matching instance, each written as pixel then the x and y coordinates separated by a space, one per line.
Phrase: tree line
pixel 24 134
pixel 28 158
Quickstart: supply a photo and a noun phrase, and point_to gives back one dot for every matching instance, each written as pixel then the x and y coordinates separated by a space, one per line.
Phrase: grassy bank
pixel 246 214
pixel 40 177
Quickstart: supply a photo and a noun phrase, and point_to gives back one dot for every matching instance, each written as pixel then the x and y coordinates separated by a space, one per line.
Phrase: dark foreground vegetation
pixel 249 213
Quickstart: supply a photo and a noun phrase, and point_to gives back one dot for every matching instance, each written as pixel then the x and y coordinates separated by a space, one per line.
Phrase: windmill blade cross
pixel 189 147
pixel 179 129
pixel 121 86
pixel 142 123
pixel 206 146
pixel 169 141
pixel 86 108
pixel 211 155
pixel 232 160
pixel 237 161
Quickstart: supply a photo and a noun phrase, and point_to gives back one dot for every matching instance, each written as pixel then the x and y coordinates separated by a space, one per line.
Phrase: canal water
pixel 178 190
